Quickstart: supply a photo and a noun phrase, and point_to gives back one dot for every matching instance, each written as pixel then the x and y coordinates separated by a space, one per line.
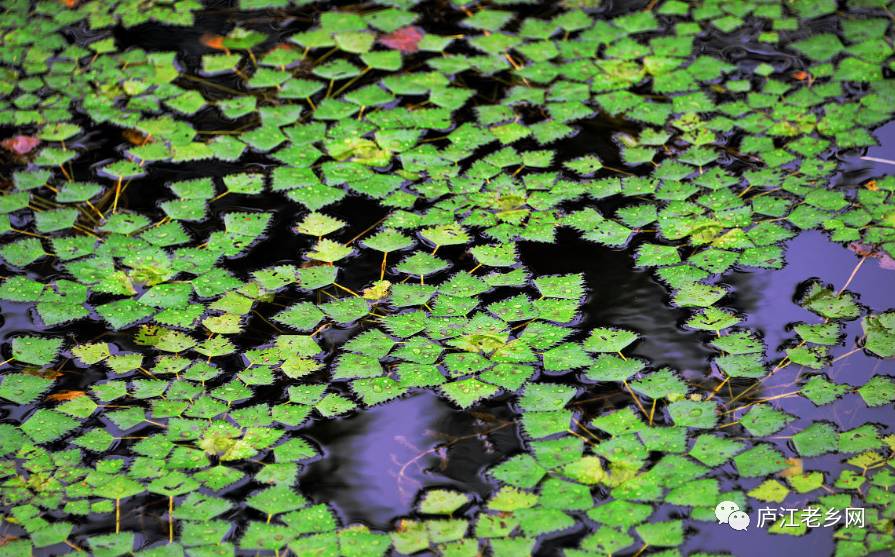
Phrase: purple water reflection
pixel 376 462
pixel 766 297
pixel 873 164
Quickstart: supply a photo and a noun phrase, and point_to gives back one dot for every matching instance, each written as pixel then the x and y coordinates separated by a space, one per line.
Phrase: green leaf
pixel 814 440
pixel 318 224
pixel 387 240
pixel 662 534
pixel 654 255
pixel 442 501
pixel 759 461
pixel 334 405
pixel 39 351
pixel 619 422
pixel 52 534
pixel 742 365
pixel 762 420
pixel 23 389
pixel 661 384
pixel 421 264
pixel 276 500
pixel 22 252
pixel 467 392
pixel 567 287
pixel 691 413
pixel 603 339
pixel 545 397
pixel 123 169
pixel 820 391
pixel 878 391
pixel 499 255
pixel 826 303
pixel 328 251
pixel 739 343
pixel 346 310
pixel 713 450
pixel 123 313
pixel 880 331
pixel 445 235
pixel 45 425
pixel 303 316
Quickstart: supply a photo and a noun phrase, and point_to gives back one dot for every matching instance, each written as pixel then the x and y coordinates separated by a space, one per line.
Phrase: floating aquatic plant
pixel 170 360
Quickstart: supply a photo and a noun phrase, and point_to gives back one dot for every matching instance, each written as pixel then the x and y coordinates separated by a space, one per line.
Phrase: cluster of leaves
pixel 722 161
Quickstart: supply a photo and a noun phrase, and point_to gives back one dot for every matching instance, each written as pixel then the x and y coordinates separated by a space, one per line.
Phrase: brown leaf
pixel 66 395
pixel 134 137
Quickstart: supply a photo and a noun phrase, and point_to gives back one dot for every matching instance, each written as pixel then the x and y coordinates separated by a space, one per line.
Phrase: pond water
pixel 403 261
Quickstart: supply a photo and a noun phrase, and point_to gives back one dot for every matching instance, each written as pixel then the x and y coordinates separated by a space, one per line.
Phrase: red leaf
pixel 861 249
pixel 213 41
pixel 885 260
pixel 20 144
pixel 405 39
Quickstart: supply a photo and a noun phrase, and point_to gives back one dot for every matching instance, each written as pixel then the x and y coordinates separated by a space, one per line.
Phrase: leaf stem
pixel 851 277
pixel 636 400
pixel 117 194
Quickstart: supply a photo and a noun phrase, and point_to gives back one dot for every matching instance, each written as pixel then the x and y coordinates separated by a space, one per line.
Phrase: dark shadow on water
pixel 621 295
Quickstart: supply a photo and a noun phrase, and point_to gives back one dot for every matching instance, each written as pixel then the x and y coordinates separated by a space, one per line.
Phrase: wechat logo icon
pixel 728 512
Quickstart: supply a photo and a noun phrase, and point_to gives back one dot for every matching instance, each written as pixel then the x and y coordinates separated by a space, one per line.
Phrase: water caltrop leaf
pixel 691 413
pixel 762 420
pixel 467 392
pixel 759 461
pixel 515 193
pixel 329 251
pixel 22 252
pixel 880 331
pixel 879 390
pixel 318 224
pixel 123 313
pixel 442 501
pixel 826 303
pixel 46 425
pixel 39 351
pixel 604 339
pixel 23 389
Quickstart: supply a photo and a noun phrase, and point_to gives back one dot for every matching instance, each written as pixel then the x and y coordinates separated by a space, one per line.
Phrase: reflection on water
pixel 376 462
pixel 757 542
pixel 766 297
pixel 621 295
